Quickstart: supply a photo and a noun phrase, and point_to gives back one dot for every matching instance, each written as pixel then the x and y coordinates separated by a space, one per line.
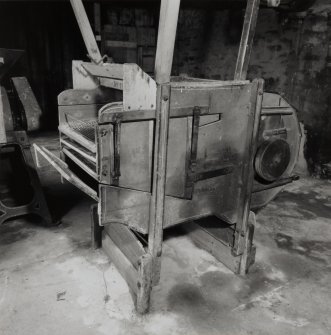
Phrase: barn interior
pixel 55 278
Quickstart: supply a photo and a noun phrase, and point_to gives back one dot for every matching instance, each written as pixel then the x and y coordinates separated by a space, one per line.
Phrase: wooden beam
pixel 86 30
pixel 166 40
pixel 247 38
pixel 156 220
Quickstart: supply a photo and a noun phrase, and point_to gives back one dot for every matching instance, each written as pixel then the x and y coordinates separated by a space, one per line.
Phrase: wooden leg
pixel 144 283
pixel 248 256
pixel 155 236
pixel 96 229
pixel 131 260
pixel 219 240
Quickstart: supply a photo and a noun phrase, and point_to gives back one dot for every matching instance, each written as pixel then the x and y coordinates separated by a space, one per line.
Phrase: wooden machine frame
pixel 135 247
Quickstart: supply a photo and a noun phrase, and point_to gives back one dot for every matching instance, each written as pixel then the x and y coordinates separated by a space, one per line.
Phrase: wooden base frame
pixel 141 270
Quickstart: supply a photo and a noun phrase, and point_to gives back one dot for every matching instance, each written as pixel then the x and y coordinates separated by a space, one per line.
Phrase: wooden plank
pixel 247 176
pixel 107 70
pixel 144 283
pixel 29 102
pixel 156 220
pixel 126 206
pixel 75 136
pixel 205 239
pixel 166 40
pixel 105 153
pixel 247 38
pixel 249 250
pixel 124 239
pixel 213 84
pixel 81 79
pixel 80 151
pixel 121 44
pixel 112 83
pixel 269 111
pixel 3 137
pixel 139 89
pixel 121 262
pixel 80 163
pixel 99 95
pixel 65 172
pixel 86 31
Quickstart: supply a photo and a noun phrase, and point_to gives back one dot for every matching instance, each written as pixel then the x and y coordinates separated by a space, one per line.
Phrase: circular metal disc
pixel 272 159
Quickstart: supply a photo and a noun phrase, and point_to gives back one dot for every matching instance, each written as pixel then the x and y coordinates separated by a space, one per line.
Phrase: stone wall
pixel 290 52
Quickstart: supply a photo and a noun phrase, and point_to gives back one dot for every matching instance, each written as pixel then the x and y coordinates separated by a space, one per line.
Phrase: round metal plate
pixel 272 159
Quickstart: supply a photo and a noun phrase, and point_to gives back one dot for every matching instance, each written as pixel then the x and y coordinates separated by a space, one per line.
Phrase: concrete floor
pixel 51 282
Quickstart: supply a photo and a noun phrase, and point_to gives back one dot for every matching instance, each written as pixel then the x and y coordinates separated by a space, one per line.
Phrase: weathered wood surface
pixel 247 176
pixel 65 172
pixel 139 89
pixel 126 241
pixel 247 38
pixel 156 220
pixel 29 102
pixel 205 238
pixel 107 70
pixel 81 79
pixel 121 262
pixel 3 137
pixel 98 96
pixel 74 135
pixel 166 40
pixel 80 162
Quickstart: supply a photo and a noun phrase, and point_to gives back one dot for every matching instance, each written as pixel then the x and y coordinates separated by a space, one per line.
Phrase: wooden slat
pixel 116 84
pixel 113 71
pixel 269 111
pixel 206 240
pixel 3 137
pixel 246 41
pixel 98 96
pixel 121 262
pixel 213 84
pixel 139 89
pixel 121 44
pixel 80 163
pixel 74 135
pixel 80 151
pixel 29 102
pixel 65 172
pixel 126 241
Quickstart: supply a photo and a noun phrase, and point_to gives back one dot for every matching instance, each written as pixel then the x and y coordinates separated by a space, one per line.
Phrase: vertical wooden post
pixel 163 63
pixel 159 178
pixel 246 41
pixel 247 177
pixel 86 30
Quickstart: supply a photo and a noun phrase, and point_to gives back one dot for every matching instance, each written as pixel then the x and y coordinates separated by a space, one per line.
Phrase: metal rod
pixel 278 183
